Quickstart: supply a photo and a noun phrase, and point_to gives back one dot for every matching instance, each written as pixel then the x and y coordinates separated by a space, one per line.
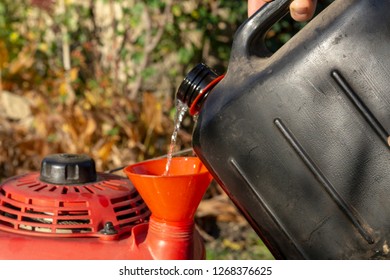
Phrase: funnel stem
pixel 170 240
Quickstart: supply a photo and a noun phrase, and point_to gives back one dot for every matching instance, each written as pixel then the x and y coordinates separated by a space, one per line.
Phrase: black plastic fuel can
pixel 299 139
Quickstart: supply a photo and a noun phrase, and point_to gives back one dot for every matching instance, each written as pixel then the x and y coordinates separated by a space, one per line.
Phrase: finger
pixel 302 10
pixel 254 5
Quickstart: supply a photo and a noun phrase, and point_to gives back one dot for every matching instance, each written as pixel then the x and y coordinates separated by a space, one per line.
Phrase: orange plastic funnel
pixel 172 198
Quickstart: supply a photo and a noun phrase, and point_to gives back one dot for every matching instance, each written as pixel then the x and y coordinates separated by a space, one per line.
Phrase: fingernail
pixel 300 11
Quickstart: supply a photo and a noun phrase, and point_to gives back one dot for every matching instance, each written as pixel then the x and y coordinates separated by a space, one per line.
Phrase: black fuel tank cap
pixel 64 169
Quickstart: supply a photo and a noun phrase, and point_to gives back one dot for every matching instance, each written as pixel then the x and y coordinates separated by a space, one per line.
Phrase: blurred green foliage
pixel 100 75
pixel 127 43
pixel 130 45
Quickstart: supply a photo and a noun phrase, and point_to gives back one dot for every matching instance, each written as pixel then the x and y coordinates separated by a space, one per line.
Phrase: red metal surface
pixel 44 221
pixel 31 207
pixel 132 246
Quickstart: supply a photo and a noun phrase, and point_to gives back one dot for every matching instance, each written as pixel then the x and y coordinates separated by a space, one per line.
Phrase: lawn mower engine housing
pixel 69 211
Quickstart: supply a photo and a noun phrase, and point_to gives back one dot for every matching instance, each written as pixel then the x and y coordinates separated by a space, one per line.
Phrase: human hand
pixel 300 10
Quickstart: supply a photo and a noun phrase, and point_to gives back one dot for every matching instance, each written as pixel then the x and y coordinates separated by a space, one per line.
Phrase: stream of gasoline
pixel 181 109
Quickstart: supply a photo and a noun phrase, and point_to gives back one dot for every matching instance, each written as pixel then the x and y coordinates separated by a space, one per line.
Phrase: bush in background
pixel 99 76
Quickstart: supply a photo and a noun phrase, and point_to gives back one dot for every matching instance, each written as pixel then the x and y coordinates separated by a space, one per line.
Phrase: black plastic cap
pixel 64 169
pixel 193 84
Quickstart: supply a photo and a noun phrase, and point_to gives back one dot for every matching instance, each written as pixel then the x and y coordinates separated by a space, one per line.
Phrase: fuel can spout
pixel 196 86
pixel 173 201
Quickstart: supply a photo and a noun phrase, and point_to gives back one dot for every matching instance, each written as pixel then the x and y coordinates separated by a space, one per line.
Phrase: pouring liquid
pixel 181 109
